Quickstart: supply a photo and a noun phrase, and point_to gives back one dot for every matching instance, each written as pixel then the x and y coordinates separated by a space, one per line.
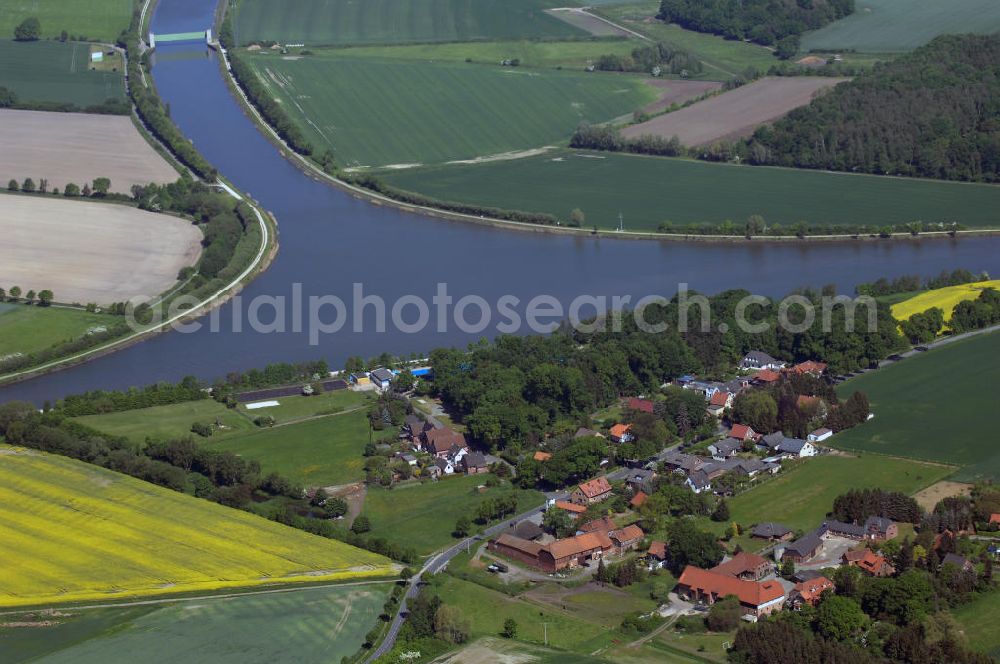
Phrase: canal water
pixel 331 241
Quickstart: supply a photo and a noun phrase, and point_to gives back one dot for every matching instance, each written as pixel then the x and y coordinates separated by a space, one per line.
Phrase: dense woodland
pixel 933 113
pixel 767 22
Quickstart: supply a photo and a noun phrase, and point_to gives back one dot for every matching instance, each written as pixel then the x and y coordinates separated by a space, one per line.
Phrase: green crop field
pixel 651 190
pixel 938 406
pixel 72 532
pixel 566 54
pixel 892 26
pixel 382 112
pixel 423 515
pixel 722 58
pixel 337 22
pixel 307 624
pixel 28 329
pixel 321 452
pixel 978 619
pixel 101 20
pixel 56 72
pixel 166 422
pixel 802 496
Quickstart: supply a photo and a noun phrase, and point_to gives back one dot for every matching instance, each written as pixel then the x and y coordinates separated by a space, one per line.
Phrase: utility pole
pixel 545 627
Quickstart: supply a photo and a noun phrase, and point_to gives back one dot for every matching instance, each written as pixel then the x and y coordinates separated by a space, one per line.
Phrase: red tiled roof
pixel 658 550
pixel 572 546
pixel 441 440
pixel 645 405
pixel 811 590
pixel 519 544
pixel 595 487
pixel 627 534
pixel 767 376
pixel 741 432
pixel 994 518
pixel 720 398
pixel 741 563
pixel 638 499
pixel 867 560
pixel 602 525
pixel 750 593
pixel 542 456
pixel 620 430
pixel 570 507
pixel 810 366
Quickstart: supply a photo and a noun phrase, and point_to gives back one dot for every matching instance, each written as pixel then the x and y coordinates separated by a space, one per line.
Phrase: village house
pixel 542 457
pixel 528 530
pixel 641 405
pixel 819 435
pixel 725 449
pixel 621 433
pixel 657 553
pixel 961 562
pixel 757 598
pixel 809 592
pixel 744 433
pixel 475 463
pixel 590 492
pixel 766 377
pixel 788 447
pixel 772 531
pixel 440 442
pixel 567 553
pixel 641 479
pixel 360 378
pixel 719 402
pixel 869 562
pixel 584 432
pixel 414 428
pixel 626 539
pixel 574 509
pixel 875 528
pixel 638 499
pixel 811 367
pixel 746 566
pixel 757 359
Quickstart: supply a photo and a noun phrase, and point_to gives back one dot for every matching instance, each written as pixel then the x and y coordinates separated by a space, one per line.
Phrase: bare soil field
pixel 677 92
pixel 937 492
pixel 92 252
pixel 77 147
pixel 735 114
pixel 587 21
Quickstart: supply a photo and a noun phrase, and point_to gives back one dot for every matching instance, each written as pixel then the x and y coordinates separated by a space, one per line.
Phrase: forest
pixel 765 22
pixel 934 113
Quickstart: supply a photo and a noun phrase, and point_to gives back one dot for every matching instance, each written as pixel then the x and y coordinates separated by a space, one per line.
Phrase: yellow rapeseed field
pixel 944 298
pixel 72 532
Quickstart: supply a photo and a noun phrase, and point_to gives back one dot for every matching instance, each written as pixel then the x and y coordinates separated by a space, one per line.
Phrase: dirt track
pixel 91 252
pixel 77 147
pixel 737 113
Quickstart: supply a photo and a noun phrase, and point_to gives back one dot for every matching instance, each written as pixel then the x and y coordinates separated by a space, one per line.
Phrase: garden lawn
pixel 939 405
pixel 979 621
pixel 394 112
pixel 944 298
pixel 321 452
pixel 167 422
pixel 28 329
pixel 650 190
pixel 423 515
pixel 891 26
pixel 308 624
pixel 56 72
pixel 722 58
pixel 338 22
pixel 73 532
pixel 486 610
pixel 800 497
pixel 82 19
pixel 294 408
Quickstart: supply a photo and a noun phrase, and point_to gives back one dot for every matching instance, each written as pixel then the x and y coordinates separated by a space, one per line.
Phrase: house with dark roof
pixel 757 598
pixel 772 531
pixel 758 359
pixel 875 528
pixel 475 463
pixel 641 479
pixel 802 549
pixel 961 562
pixel 698 481
pixel 381 378
pixel 528 530
pixel 819 435
pixel 725 449
pixel 584 432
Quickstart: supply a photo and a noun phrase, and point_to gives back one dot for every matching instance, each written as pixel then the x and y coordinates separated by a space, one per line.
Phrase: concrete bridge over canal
pixel 181 37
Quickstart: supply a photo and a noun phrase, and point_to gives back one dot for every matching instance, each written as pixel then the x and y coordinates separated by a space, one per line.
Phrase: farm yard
pixel 893 26
pixel 937 406
pixel 73 532
pixel 302 624
pixel 944 298
pixel 341 22
pixel 93 252
pixel 650 190
pixel 101 20
pixel 57 72
pixel 404 112
pixel 75 147
pixel 737 113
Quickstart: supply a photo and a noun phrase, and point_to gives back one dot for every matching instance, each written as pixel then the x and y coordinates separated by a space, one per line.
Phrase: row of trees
pixel 652 59
pixel 101 187
pixel 914 282
pixel 857 505
pixel 44 297
pixel 932 113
